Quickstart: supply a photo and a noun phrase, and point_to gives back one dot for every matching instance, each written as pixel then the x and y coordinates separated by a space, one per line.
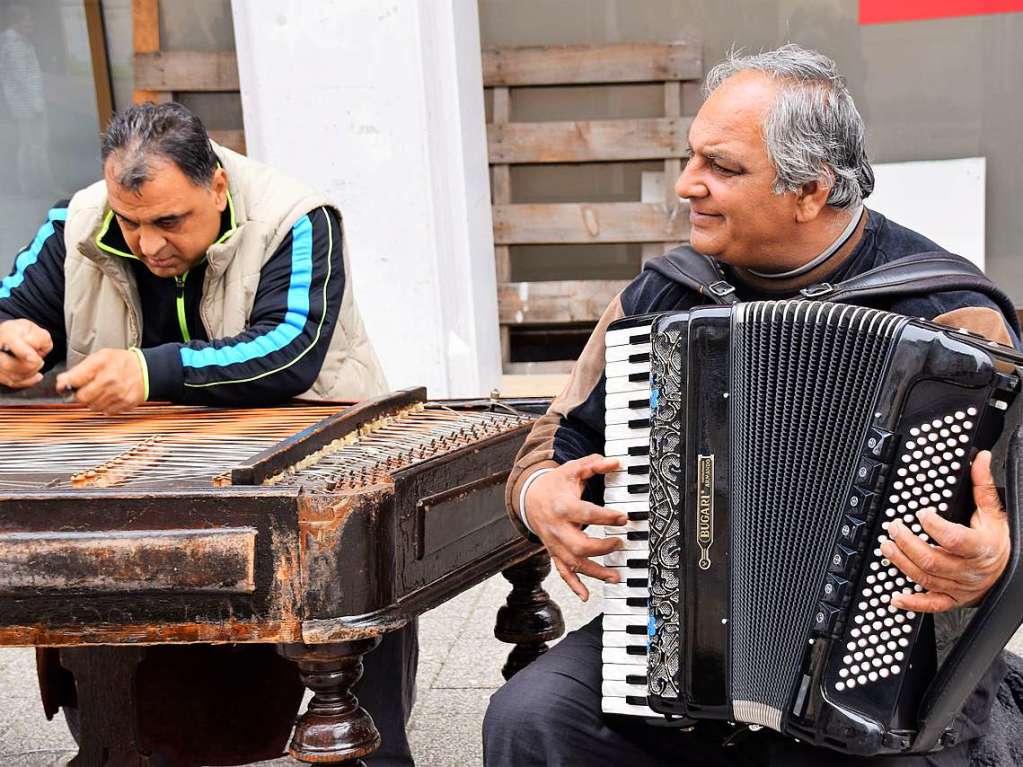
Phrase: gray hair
pixel 148 131
pixel 813 132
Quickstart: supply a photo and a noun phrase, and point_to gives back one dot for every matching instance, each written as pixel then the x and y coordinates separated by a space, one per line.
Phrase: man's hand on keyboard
pixel 557 515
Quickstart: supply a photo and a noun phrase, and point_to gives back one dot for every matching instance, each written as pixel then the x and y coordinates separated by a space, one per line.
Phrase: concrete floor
pixel 460 667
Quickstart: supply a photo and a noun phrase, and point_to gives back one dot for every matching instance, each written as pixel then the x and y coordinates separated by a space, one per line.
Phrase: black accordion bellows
pixel 803 377
pixel 780 441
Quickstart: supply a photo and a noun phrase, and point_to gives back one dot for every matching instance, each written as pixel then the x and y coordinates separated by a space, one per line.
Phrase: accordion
pixel 765 448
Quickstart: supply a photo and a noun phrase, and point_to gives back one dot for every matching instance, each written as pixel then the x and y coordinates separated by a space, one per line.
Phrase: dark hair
pixel 168 131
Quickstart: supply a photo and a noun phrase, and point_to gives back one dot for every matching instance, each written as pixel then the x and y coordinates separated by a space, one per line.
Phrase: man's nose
pixel 151 242
pixel 689 184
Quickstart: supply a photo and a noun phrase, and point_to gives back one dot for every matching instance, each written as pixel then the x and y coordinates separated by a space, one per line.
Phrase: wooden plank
pixel 556 300
pixel 672 170
pixel 673 99
pixel 660 187
pixel 692 97
pixel 581 64
pixel 232 139
pixel 552 375
pixel 502 179
pixel 502 184
pixel 145 25
pixel 145 29
pixel 218 560
pixel 100 62
pixel 537 224
pixel 502 254
pixel 520 384
pixel 214 71
pixel 502 196
pixel 673 165
pixel 588 141
pixel 502 105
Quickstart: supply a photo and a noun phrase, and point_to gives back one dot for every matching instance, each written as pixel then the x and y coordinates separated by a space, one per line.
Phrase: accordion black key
pixel 772 446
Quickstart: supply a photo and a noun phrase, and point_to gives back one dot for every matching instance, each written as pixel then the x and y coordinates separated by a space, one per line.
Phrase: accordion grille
pixel 786 503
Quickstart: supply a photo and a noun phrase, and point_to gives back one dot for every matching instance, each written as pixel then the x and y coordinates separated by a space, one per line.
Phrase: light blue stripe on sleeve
pixel 30 255
pixel 294 319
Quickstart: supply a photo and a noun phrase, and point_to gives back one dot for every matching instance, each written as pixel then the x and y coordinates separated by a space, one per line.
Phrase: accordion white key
pixel 627 437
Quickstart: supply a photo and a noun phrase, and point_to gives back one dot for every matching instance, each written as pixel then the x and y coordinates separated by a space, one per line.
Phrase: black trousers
pixel 549 714
pixel 387 691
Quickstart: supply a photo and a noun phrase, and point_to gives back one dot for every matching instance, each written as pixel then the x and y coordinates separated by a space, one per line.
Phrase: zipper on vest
pixel 179 286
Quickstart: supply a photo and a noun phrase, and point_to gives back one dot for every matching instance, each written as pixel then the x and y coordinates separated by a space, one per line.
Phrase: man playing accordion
pixel 776 181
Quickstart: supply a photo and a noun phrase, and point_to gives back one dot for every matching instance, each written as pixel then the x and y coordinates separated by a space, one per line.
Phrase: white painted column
pixel 380 105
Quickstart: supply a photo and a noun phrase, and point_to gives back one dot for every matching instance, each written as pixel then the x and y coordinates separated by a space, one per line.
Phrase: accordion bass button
pixel 868 473
pixel 852 529
pixel 879 443
pixel 825 619
pixel 834 590
pixel 843 560
pixel 859 501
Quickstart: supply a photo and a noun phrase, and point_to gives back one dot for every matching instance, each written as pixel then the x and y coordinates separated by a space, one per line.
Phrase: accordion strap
pixel 918 274
pixel 695 271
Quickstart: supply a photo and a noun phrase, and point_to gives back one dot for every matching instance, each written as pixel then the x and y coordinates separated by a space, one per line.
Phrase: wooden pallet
pixel 659 223
pixel 160 74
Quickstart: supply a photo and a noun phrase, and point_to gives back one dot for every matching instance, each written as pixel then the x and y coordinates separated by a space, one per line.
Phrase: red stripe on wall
pixel 885 11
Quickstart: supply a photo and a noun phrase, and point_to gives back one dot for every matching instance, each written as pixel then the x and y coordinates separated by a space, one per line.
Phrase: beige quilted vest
pixel 101 302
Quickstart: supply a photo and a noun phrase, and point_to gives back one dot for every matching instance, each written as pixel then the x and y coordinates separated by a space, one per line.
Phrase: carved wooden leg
pixel 107 715
pixel 530 619
pixel 335 729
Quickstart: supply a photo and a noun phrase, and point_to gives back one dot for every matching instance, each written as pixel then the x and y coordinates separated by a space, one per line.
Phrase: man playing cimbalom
pixel 192 274
pixel 775 182
pixel 189 274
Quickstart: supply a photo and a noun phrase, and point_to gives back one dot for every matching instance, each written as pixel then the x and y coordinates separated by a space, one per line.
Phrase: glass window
pixel 49 128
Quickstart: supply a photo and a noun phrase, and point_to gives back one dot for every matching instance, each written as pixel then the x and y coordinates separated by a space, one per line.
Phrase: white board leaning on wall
pixel 941 199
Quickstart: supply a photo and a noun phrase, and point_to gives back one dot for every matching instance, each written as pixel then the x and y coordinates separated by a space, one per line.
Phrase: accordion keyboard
pixel 627 437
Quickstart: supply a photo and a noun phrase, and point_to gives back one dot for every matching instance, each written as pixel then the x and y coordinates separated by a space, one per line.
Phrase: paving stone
pixel 19 663
pixel 429 667
pixel 474 662
pixel 26 737
pixel 37 759
pixel 444 623
pixel 446 730
pixel 439 631
pixel 460 606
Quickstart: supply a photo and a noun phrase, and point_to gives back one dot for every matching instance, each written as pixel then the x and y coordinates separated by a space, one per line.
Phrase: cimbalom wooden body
pixel 313 527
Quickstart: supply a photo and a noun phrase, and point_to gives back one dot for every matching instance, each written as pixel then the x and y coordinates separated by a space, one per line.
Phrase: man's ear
pixel 218 186
pixel 811 200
